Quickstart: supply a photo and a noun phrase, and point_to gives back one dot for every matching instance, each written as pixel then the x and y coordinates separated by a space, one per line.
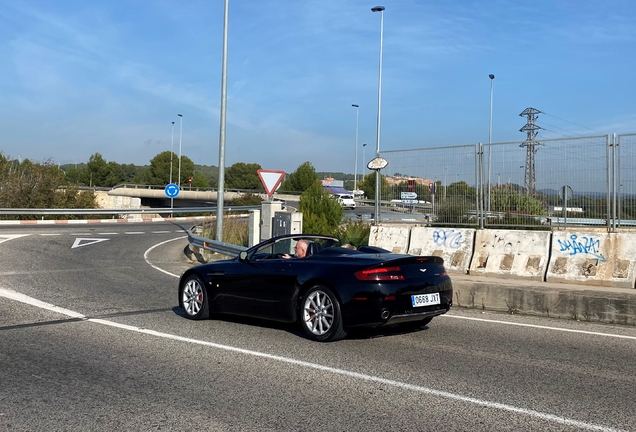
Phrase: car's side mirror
pixel 242 256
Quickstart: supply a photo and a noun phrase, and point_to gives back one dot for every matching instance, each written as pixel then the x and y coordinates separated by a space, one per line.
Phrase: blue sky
pixel 109 77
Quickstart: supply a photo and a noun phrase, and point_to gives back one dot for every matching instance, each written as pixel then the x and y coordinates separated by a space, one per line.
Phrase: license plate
pixel 425 299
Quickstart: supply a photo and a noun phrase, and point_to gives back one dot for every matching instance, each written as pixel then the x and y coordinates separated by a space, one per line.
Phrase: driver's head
pixel 300 250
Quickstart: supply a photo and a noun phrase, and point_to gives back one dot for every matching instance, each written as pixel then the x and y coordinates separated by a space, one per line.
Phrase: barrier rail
pixel 213 245
pixel 25 211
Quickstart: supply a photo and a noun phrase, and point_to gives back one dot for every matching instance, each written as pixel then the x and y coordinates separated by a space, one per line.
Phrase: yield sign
pixel 79 242
pixel 271 179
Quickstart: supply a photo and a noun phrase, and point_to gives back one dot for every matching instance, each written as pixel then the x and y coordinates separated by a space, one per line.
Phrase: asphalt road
pixel 91 339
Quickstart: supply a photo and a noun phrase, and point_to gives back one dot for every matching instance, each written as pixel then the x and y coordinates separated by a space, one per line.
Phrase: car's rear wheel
pixel 193 298
pixel 321 317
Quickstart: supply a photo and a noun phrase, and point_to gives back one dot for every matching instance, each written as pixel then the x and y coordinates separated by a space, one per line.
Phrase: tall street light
pixel 221 188
pixel 355 169
pixel 364 158
pixel 171 151
pixel 180 136
pixel 377 140
pixel 492 78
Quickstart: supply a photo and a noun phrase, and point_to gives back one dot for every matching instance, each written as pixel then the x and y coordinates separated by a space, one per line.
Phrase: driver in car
pixel 300 250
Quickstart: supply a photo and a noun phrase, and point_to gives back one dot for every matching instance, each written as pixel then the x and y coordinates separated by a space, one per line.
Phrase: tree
pixel 456 210
pixel 506 201
pixel 247 199
pixel 300 180
pixel 243 176
pixel 322 213
pixel 199 181
pixel 98 170
pixel 36 185
pixel 367 185
pixel 159 171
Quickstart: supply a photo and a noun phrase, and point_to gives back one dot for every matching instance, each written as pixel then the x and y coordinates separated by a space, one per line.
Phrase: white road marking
pixel 50 234
pixel 79 242
pixel 160 232
pixel 13 295
pixel 112 233
pixel 542 327
pixel 7 237
pixel 154 266
pixel 356 375
pixel 134 232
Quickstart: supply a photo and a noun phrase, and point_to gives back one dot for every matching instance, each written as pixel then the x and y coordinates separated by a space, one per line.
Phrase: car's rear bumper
pixel 379 310
pixel 396 319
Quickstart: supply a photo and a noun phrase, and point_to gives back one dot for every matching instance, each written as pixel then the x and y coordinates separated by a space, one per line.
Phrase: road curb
pixel 101 221
pixel 597 304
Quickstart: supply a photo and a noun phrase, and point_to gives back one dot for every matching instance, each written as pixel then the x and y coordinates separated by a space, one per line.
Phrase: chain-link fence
pixel 586 181
pixel 624 184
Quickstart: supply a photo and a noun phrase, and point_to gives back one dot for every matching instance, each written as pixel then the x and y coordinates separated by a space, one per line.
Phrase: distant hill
pixel 555 193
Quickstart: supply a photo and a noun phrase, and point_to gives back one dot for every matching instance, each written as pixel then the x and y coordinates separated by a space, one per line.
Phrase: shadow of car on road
pixel 294 328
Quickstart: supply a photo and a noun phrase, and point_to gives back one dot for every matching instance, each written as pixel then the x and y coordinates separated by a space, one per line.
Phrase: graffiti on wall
pixel 448 238
pixel 582 245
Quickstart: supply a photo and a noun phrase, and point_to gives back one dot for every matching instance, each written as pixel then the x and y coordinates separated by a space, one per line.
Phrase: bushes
pixel 235 230
pixel 322 214
pixel 355 233
pixel 36 185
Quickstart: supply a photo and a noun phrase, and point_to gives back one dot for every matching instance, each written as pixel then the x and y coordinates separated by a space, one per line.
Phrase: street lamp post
pixel 445 180
pixel 221 185
pixel 377 140
pixel 492 78
pixel 355 169
pixel 171 153
pixel 180 136
pixel 364 158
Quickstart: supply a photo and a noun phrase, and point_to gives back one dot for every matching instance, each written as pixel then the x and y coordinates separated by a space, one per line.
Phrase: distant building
pixel 557 209
pixel 329 182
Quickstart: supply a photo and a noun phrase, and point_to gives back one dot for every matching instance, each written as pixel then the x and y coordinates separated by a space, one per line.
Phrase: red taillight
pixel 380 274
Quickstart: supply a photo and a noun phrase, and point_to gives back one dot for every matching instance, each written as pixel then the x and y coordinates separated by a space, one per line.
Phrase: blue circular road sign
pixel 172 190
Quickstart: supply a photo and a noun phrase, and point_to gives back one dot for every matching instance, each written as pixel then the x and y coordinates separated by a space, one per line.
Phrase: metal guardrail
pixel 26 211
pixel 213 245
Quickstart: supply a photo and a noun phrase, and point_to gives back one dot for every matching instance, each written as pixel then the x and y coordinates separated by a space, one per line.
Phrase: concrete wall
pixel 594 258
pixel 511 253
pixel 393 238
pixel 107 201
pixel 455 245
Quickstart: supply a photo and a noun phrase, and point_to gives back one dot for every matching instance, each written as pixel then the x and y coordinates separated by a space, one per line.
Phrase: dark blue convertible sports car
pixel 329 291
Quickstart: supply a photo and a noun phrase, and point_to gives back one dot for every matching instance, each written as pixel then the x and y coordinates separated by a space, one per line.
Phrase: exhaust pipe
pixel 385 314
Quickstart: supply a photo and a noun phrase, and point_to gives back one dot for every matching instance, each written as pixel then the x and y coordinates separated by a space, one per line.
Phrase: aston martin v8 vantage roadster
pixel 328 291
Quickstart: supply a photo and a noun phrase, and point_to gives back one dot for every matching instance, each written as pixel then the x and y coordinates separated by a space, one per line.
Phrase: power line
pixel 569 131
pixel 550 130
pixel 567 121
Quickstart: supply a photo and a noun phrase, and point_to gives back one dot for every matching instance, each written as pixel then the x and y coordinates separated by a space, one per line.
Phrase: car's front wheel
pixel 321 317
pixel 193 298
